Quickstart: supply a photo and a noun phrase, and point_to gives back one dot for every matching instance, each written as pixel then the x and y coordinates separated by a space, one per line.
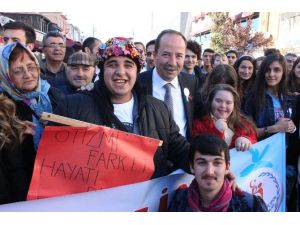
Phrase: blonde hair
pixel 10 126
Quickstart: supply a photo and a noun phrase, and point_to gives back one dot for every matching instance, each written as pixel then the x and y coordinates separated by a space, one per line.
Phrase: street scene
pixel 195 112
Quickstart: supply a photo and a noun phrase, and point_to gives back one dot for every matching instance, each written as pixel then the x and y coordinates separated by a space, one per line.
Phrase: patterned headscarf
pixel 38 99
pixel 120 46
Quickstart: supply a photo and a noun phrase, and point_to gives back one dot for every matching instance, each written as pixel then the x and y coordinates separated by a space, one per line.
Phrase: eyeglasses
pixel 21 71
pixel 60 45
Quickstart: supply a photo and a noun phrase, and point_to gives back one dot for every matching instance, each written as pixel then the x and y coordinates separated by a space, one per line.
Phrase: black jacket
pixel 185 81
pixel 24 112
pixel 13 183
pixel 154 120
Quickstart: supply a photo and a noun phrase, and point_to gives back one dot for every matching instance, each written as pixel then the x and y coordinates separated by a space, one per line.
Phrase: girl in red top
pixel 224 119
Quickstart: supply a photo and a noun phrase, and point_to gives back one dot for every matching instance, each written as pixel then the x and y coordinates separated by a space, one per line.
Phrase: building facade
pixel 284 28
pixel 43 23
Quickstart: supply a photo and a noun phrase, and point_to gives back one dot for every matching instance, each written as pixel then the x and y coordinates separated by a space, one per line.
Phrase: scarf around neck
pixel 219 204
pixel 38 99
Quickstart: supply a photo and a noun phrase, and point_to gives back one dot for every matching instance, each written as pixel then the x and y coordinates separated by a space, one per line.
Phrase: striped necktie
pixel 168 97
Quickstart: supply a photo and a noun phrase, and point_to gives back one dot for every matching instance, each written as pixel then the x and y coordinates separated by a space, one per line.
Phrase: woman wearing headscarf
pixel 21 82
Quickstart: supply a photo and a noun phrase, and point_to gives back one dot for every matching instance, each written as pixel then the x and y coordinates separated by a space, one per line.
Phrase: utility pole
pixel 94 30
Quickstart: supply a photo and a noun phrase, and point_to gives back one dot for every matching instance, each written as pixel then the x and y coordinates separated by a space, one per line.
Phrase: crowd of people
pixel 199 105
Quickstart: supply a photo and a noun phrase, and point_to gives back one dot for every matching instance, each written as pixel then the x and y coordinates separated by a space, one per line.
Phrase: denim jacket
pixel 266 116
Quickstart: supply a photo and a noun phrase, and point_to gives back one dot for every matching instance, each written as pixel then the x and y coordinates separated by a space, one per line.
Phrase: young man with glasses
pixel 53 68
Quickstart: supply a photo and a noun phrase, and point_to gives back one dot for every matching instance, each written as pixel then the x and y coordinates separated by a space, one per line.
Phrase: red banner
pixel 72 160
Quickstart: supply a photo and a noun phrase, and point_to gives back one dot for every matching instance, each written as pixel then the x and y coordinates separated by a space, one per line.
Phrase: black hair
pixel 291 54
pixel 89 42
pixel 270 51
pixel 260 88
pixel 232 51
pixel 209 50
pixel 17 25
pixel 69 52
pixel 152 42
pixel 195 48
pixel 164 32
pixel 207 144
pixel 140 43
pixel 293 86
pixel 245 86
pixel 52 34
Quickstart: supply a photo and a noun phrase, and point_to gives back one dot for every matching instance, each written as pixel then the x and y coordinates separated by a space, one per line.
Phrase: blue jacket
pixel 266 116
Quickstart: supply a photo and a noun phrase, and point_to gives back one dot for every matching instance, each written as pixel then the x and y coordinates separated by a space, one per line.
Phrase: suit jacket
pixel 185 81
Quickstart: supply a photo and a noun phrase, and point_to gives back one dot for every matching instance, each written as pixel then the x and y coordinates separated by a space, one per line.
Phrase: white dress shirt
pixel 159 92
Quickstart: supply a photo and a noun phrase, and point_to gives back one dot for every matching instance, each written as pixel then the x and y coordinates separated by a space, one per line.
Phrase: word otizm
pixel 84 137
pixel 163 200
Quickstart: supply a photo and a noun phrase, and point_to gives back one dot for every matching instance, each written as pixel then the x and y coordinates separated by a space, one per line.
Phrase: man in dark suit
pixel 169 55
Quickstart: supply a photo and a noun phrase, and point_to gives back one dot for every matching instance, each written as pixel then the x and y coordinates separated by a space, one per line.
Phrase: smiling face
pixel 169 58
pixel 119 76
pixel 222 104
pixel 80 75
pixel 190 60
pixel 297 70
pixel 274 75
pixel 24 73
pixel 54 49
pixel 245 70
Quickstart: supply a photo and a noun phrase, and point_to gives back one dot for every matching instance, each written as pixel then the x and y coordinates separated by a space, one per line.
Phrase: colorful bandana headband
pixel 120 46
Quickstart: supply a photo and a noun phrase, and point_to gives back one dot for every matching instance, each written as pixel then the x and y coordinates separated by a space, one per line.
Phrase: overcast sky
pixel 142 26
pixel 141 19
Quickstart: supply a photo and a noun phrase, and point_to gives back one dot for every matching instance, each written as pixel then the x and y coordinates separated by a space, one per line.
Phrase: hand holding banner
pixel 76 159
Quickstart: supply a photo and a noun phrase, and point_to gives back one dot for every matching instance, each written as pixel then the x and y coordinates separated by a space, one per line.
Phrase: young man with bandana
pixel 210 191
pixel 117 102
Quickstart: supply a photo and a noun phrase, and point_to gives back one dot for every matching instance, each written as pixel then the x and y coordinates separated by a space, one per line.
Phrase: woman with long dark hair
pixel 245 69
pixel 294 78
pixel 12 168
pixel 268 103
pixel 273 109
